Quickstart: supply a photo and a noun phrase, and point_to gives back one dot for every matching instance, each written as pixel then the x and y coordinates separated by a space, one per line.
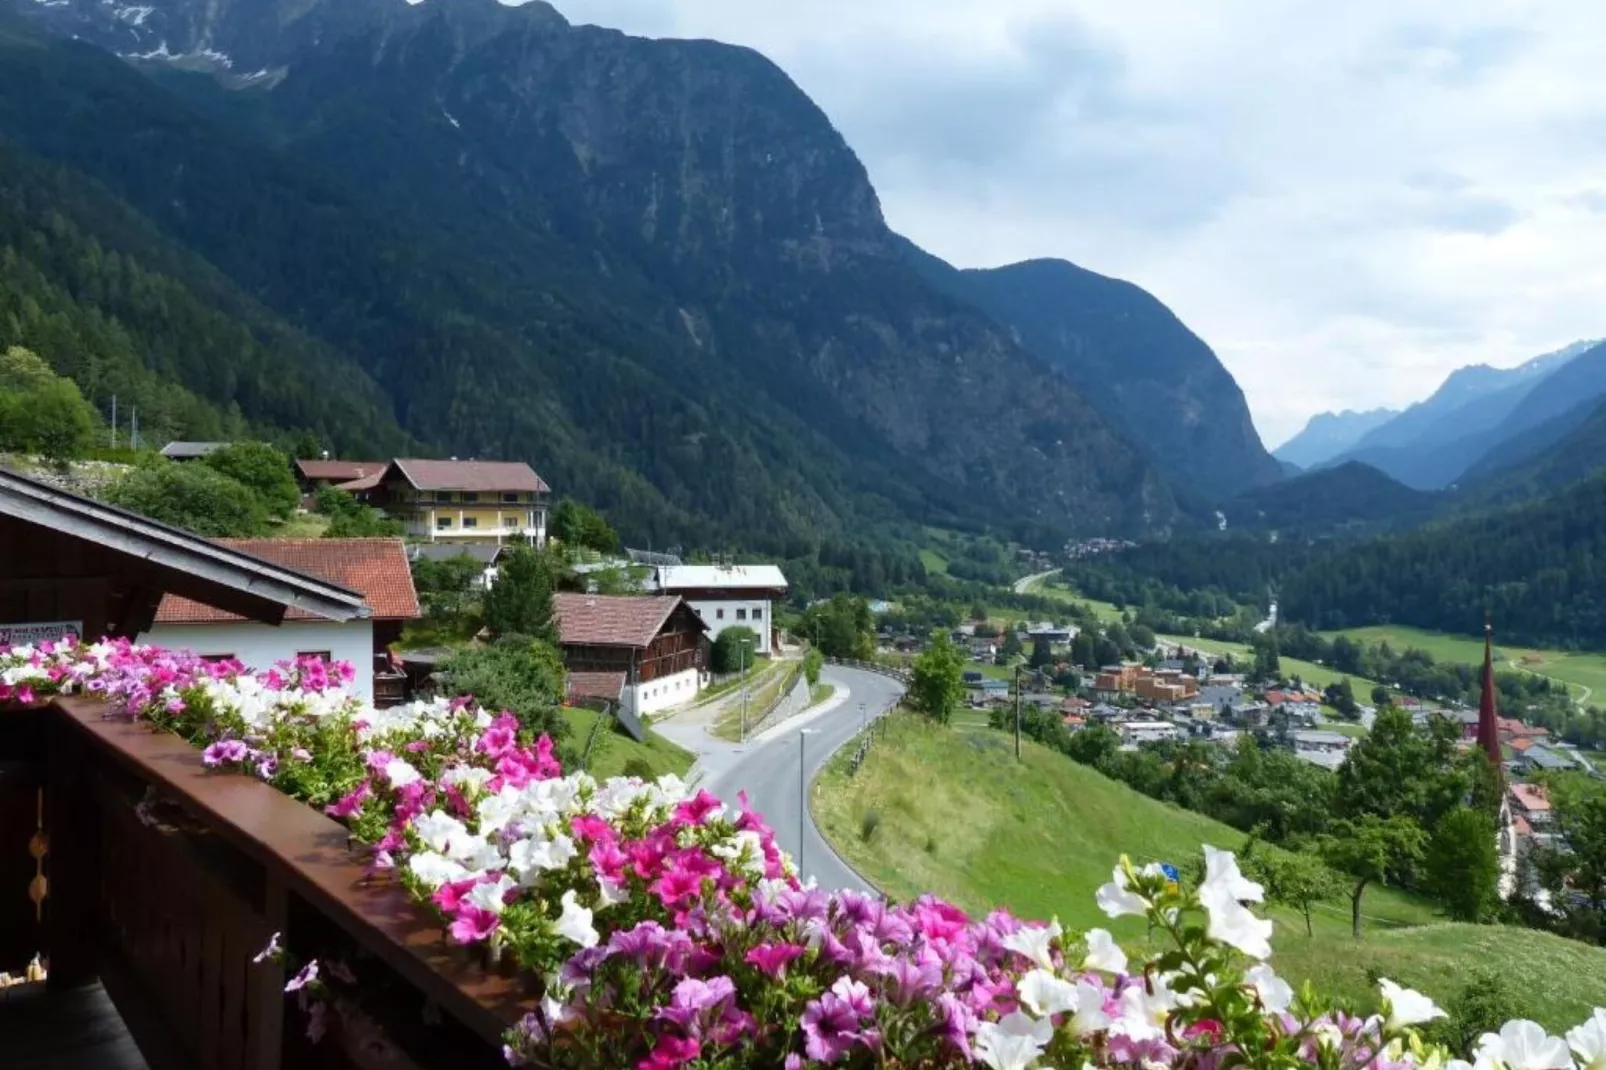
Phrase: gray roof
pixel 187 450
pixel 186 564
pixel 1547 759
pixel 1327 759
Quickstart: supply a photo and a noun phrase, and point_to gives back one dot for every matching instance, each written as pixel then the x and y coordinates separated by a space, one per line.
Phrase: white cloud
pixel 1346 200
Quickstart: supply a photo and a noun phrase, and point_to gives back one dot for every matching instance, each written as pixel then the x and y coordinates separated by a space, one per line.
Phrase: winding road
pixel 1024 584
pixel 769 768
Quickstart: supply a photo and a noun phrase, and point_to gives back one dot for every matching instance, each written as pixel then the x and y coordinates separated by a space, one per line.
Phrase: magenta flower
pixel 696 1003
pixel 472 925
pixel 834 1024
pixel 350 804
pixel 670 1053
pixel 308 974
pixel 772 959
pixel 225 752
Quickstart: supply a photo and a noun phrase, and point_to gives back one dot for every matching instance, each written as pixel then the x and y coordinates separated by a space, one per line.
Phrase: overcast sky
pixel 1347 201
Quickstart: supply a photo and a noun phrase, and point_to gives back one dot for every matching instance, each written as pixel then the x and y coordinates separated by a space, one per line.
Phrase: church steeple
pixel 1488 726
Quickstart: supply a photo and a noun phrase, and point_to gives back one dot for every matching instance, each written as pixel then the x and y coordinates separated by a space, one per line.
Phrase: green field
pixel 615 747
pixel 1308 671
pixel 1584 673
pixel 959 818
pixel 935 563
pixel 1049 588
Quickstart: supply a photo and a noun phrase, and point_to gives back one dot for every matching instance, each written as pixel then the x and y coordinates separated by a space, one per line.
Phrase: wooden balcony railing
pixel 169 903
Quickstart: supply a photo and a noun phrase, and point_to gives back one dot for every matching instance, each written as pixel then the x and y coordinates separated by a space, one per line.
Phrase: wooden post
pixel 72 865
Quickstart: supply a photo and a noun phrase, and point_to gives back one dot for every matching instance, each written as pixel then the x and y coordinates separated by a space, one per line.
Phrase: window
pixel 758 613
pixel 470 496
pixel 471 521
pixel 443 522
pixel 510 497
pixel 719 614
pixel 322 655
pixel 741 614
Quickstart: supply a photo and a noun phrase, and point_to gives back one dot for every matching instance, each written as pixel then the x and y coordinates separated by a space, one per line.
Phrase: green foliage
pixel 813 661
pixel 1397 770
pixel 1297 879
pixel 1042 652
pixel 577 525
pixel 1462 865
pixel 520 600
pixel 191 496
pixel 1370 849
pixel 1576 877
pixel 261 468
pixel 1268 664
pixel 1486 1002
pixel 40 412
pixel 1341 696
pixel 639 768
pixel 514 673
pixel 350 518
pixel 732 649
pixel 842 628
pixel 449 589
pixel 937 685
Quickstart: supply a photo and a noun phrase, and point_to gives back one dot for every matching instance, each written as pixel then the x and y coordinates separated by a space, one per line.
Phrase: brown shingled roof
pixel 470 475
pixel 610 620
pixel 374 568
pixel 339 471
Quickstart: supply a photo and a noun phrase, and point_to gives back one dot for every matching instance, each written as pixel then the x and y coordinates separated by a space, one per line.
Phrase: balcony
pixel 166 879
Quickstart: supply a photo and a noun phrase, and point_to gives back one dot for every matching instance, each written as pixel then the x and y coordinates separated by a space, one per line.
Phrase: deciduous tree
pixel 520 600
pixel 938 683
pixel 1462 866
pixel 261 468
pixel 191 496
pixel 1369 849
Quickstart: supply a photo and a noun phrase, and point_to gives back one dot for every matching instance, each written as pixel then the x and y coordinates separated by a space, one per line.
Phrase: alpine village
pixel 508 559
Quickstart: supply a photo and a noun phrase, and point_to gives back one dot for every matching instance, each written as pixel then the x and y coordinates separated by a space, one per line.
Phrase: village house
pixel 1541 759
pixel 1530 803
pixel 190 451
pixel 644 653
pixel 987 689
pixel 357 478
pixel 1136 733
pixel 485 555
pixel 726 596
pixel 984 649
pixel 491 502
pixel 1326 749
pixel 375 569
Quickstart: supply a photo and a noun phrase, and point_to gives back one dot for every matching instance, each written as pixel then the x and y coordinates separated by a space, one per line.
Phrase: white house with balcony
pixel 725 596
pixel 490 502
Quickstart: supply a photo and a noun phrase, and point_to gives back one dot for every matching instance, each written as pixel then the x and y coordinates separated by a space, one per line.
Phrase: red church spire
pixel 1488 728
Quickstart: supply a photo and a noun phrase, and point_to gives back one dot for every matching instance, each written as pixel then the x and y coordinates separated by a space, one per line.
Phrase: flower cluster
pixel 668 931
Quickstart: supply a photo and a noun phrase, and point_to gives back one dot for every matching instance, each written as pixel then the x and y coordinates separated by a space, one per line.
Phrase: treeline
pixel 1199 576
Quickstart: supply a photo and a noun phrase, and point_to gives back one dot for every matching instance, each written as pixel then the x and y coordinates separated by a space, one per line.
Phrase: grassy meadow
pixel 954 814
pixel 615 747
pixel 1584 673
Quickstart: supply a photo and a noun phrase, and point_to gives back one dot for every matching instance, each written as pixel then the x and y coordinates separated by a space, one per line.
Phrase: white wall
pixel 260 645
pixel 710 612
pixel 664 692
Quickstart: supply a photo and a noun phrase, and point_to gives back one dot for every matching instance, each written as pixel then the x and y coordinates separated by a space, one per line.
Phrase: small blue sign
pixel 1170 872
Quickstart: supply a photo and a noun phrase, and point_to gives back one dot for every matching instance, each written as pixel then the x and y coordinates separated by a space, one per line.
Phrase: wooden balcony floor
pixel 65 1031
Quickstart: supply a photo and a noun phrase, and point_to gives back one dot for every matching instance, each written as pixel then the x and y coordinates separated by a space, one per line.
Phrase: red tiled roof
pixel 1521 827
pixel 339 471
pixel 1276 698
pixel 374 568
pixel 1531 797
pixel 604 685
pixel 1520 744
pixel 368 482
pixel 469 475
pixel 611 620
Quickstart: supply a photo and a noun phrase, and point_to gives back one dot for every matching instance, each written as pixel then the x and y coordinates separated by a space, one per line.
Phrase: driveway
pixel 768 768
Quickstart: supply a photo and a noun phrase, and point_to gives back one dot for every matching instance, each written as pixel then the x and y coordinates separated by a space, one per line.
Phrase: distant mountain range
pixel 1328 434
pixel 1475 413
pixel 651 268
pixel 1349 499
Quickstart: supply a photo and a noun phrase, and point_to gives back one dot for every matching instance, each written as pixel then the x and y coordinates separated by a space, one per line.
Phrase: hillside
pixel 959 818
pixel 1546 459
pixel 1328 434
pixel 1351 498
pixel 651 268
pixel 1129 355
pixel 1431 443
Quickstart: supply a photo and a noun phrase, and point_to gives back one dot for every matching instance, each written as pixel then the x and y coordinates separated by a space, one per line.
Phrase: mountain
pixel 1539 569
pixel 651 268
pixel 1129 355
pixel 1431 443
pixel 1328 434
pixel 1350 499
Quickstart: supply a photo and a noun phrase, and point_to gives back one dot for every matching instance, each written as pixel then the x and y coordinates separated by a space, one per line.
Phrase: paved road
pixel 1023 585
pixel 768 768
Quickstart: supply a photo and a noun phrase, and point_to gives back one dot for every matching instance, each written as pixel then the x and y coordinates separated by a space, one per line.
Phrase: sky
pixel 1347 201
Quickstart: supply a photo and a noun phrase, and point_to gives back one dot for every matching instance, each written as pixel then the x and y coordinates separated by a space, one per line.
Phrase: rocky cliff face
pixel 676 212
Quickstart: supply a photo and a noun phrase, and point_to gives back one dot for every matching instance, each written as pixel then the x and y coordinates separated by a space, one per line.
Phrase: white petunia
pixel 1221 870
pixel 575 922
pixel 1117 901
pixel 1407 1006
pixel 1103 953
pixel 744 850
pixel 1276 995
pixel 1035 942
pixel 1523 1045
pixel 401 773
pixel 1044 994
pixel 435 869
pixel 1142 1014
pixel 1013 1043
pixel 531 856
pixel 610 894
pixel 1589 1041
pixel 1089 1016
pixel 495 811
pixel 1234 924
pixel 437 827
pixel 488 895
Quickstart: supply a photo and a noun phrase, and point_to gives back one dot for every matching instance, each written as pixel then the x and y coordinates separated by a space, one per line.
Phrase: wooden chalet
pixel 646 653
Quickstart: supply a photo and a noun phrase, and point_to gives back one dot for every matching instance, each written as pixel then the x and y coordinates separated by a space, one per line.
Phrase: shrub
pixel 813 661
pixel 734 649
pixel 263 470
pixel 638 767
pixel 868 824
pixel 191 496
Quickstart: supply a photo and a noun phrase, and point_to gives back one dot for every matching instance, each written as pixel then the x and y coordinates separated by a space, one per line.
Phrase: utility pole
pixel 133 431
pixel 114 421
pixel 744 646
pixel 802 793
pixel 1017 713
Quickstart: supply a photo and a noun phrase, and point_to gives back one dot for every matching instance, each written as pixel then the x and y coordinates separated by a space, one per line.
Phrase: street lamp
pixel 803 735
pixel 744 646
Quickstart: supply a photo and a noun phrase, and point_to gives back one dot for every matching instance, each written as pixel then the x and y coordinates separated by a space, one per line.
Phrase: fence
pixel 903 676
pixel 785 698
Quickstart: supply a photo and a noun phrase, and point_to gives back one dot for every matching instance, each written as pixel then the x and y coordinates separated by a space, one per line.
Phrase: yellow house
pixel 465 501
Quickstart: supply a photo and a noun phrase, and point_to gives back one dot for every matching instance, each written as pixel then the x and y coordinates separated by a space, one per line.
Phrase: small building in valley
pixel 465 501
pixel 726 596
pixel 190 451
pixel 645 653
pixel 376 569
pixel 357 478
